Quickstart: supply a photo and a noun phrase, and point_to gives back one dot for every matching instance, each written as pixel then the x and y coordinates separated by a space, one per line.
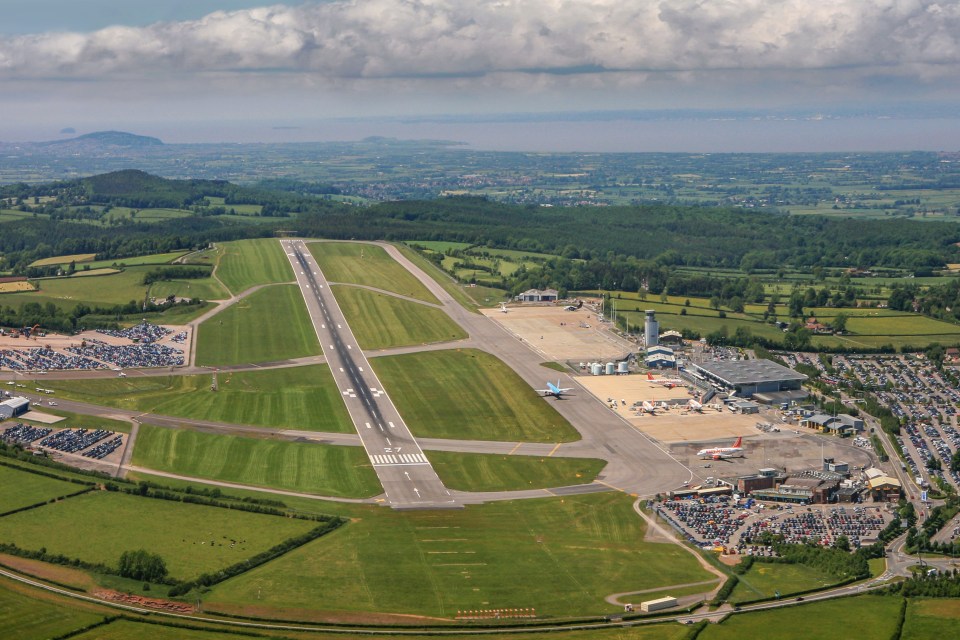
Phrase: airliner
pixel 669 383
pixel 695 405
pixel 648 407
pixel 718 453
pixel 554 390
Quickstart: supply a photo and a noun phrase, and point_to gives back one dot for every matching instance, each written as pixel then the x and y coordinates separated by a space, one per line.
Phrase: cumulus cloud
pixel 383 39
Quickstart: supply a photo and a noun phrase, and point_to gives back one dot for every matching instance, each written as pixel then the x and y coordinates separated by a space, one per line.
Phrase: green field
pixel 77 257
pixel 103 525
pixel 247 263
pixel 304 398
pixel 130 630
pixel 939 618
pixel 380 321
pixel 559 555
pixel 269 325
pixel 764 579
pixel 439 246
pixel 481 472
pixel 864 616
pixel 117 288
pixel 368 265
pixel 469 394
pixel 28 614
pixel 30 488
pixel 202 288
pixel 154 259
pixel 296 466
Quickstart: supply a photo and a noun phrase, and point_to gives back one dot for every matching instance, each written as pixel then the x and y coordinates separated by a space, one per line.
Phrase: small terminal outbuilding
pixel 658 604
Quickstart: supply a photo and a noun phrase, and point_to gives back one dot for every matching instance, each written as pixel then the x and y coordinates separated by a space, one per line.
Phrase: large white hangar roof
pixel 750 372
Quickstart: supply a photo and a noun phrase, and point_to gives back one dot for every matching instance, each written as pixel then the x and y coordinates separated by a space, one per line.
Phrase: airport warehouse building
pixel 750 377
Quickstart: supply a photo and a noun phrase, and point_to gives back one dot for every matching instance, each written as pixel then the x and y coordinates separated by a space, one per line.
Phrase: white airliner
pixel 694 405
pixel 554 390
pixel 669 383
pixel 648 407
pixel 718 453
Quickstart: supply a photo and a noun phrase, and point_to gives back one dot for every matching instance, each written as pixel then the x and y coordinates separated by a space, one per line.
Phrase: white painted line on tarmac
pixel 392 426
pixel 368 425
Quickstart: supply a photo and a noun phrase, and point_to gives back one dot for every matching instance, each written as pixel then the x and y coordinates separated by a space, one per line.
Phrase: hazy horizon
pixel 234 70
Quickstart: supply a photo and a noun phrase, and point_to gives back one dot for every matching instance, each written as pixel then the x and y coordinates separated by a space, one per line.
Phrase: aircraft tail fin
pixel 736 445
pixel 649 376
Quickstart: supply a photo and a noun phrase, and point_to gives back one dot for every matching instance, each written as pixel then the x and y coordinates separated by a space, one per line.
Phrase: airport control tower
pixel 651 330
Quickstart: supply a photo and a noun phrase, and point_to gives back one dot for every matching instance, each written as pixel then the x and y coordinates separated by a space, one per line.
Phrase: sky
pixel 241 70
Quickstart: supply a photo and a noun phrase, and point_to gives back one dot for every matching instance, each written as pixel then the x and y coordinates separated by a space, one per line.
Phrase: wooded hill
pixel 666 235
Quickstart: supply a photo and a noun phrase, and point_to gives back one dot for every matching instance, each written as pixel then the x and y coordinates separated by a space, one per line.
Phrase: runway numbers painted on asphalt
pixel 398 459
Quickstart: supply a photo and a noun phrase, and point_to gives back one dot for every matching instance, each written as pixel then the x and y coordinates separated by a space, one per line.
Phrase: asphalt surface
pixel 408 479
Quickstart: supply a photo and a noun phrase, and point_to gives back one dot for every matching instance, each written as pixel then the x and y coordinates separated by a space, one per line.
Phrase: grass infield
pixel 763 580
pixel 365 264
pixel 483 472
pixel 303 398
pixel 380 321
pixel 296 466
pixel 468 394
pixel 561 556
pixel 247 263
pixel 271 324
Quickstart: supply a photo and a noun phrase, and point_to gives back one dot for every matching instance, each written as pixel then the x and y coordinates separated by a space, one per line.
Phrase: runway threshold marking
pixel 554 450
pixel 512 451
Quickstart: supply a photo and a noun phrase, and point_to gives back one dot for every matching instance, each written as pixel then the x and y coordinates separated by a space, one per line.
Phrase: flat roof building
pixel 14 407
pixel 748 377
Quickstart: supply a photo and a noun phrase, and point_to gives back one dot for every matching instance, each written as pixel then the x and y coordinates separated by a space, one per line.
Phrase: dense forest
pixel 642 242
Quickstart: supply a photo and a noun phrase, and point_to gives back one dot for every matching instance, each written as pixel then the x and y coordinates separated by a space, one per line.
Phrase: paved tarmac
pixel 408 479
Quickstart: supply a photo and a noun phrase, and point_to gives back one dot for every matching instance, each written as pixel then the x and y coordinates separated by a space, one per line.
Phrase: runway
pixel 408 479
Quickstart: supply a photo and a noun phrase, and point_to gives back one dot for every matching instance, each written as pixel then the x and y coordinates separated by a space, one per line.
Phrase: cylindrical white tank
pixel 651 330
pixel 596 369
pixel 611 368
pixel 623 367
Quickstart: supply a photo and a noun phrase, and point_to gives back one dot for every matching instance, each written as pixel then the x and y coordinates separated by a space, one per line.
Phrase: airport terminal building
pixel 750 377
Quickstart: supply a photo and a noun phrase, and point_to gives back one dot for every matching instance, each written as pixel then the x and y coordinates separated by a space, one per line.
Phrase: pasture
pixel 468 394
pixel 193 539
pixel 303 398
pixel 763 580
pixel 380 321
pixel 24 489
pixel 482 472
pixel 305 467
pixel 27 614
pixel 269 325
pixel 439 246
pixel 247 263
pixel 559 555
pixel 870 616
pixel 368 265
pixel 86 273
pixel 16 287
pixel 934 618
pixel 113 289
pixel 55 260
pixel 135 261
